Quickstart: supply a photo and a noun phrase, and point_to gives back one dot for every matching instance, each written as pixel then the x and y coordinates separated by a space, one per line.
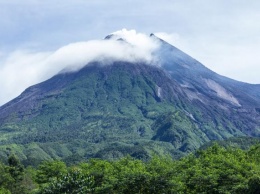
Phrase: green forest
pixel 215 169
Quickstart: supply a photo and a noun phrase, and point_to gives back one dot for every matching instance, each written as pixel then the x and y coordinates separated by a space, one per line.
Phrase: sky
pixel 34 34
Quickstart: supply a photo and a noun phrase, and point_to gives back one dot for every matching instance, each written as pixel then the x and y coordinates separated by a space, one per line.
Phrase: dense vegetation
pixel 214 170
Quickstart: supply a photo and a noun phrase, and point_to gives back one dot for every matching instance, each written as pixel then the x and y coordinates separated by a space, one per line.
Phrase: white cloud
pixel 23 68
pixel 139 40
pixel 20 70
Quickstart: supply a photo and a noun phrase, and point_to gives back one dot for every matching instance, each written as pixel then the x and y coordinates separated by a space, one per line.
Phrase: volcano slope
pixel 172 106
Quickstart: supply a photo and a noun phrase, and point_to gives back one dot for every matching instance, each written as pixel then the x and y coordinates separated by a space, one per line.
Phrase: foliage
pixel 50 170
pixel 73 182
pixel 215 170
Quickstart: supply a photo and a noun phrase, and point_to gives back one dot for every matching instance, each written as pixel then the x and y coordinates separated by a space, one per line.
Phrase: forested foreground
pixel 214 170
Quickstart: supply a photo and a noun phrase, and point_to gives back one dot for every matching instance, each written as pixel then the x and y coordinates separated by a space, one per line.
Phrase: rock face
pixel 173 106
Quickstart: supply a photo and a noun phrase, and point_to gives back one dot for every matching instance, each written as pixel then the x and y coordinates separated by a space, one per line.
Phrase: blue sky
pixel 223 35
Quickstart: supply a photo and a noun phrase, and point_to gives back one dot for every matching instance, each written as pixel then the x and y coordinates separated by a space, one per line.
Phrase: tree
pixel 5 179
pixel 16 170
pixel 50 170
pixel 73 182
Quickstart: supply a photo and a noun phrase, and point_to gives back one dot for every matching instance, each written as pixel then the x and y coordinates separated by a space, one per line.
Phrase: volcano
pixel 171 104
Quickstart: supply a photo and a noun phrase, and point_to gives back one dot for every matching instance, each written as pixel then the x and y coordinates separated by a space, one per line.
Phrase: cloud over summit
pixel 22 69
